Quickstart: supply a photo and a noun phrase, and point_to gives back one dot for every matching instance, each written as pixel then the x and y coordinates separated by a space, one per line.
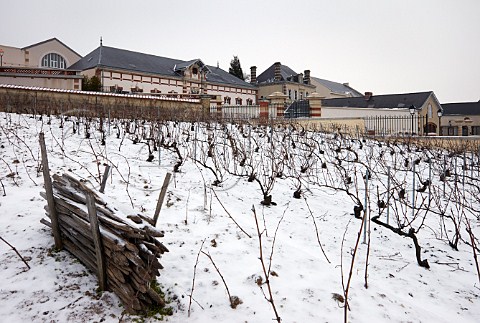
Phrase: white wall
pixel 345 112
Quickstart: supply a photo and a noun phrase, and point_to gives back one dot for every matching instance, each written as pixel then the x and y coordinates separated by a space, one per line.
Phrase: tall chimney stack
pixel 253 74
pixel 300 78
pixel 278 71
pixel 306 77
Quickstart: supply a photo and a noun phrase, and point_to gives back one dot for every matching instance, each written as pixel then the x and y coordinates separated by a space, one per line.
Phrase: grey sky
pixel 382 46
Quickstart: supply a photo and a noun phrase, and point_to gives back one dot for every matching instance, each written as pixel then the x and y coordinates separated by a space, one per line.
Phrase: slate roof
pixel 337 87
pixel 269 74
pixel 389 101
pixel 461 108
pixel 115 58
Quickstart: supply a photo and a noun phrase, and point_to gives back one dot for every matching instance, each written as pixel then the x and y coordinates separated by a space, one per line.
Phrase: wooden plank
pixel 104 179
pixel 97 238
pixel 49 192
pixel 161 197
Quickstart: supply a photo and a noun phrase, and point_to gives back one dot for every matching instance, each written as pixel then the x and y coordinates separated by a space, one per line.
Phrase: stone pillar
pixel 205 102
pixel 277 100
pixel 263 109
pixel 315 101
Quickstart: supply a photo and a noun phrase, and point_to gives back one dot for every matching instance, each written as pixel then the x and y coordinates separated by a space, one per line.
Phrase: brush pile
pixel 130 246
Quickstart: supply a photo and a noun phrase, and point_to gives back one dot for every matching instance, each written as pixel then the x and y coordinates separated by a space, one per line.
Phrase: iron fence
pixel 246 112
pixel 403 125
pixel 298 109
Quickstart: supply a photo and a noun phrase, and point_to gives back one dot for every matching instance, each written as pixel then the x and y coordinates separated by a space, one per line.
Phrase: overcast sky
pixel 382 46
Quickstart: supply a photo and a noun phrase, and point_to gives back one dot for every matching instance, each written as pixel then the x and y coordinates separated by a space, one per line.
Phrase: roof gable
pixel 268 75
pixel 51 40
pixel 185 65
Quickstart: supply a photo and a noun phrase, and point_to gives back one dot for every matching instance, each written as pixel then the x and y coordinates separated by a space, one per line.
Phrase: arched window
pixel 53 60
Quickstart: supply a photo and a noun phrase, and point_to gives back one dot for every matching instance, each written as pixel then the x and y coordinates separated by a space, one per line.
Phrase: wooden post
pixel 367 174
pixel 161 197
pixel 49 192
pixel 388 194
pixel 104 179
pixel 97 239
pixel 413 192
pixel 444 173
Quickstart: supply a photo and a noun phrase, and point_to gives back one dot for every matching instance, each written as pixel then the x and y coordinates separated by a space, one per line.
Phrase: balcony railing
pixel 37 71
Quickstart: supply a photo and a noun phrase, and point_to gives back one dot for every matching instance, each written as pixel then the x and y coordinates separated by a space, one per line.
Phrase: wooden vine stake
pixel 161 197
pixel 49 194
pixel 104 179
pixel 97 240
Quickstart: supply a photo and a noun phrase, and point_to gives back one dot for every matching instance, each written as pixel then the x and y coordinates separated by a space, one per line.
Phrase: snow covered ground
pixel 306 284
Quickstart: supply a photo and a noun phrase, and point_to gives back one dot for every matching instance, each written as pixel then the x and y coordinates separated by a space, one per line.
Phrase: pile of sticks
pixel 124 252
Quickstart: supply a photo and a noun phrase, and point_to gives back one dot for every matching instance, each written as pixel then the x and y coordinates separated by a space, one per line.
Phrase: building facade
pixel 460 119
pixel 412 113
pixel 43 64
pixel 124 71
pixel 297 86
pixel 281 78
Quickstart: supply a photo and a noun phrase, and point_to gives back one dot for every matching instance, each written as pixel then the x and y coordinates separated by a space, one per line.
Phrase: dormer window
pixel 194 71
pixel 53 60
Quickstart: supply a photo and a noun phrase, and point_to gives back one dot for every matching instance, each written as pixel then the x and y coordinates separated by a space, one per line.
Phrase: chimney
pixel 306 78
pixel 278 71
pixel 346 84
pixel 368 95
pixel 253 74
pixel 300 78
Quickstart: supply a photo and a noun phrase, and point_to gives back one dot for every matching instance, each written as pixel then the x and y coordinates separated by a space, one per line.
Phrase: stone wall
pixel 95 104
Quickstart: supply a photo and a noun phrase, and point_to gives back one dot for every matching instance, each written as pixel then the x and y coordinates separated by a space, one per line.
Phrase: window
pixel 451 131
pixel 194 90
pixel 476 130
pixel 227 100
pixel 430 111
pixel 194 71
pixel 290 94
pixel 250 102
pixel 238 101
pixel 295 95
pixel 54 60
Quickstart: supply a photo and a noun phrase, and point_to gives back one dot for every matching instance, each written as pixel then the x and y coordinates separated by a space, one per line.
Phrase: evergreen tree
pixel 85 83
pixel 91 84
pixel 236 68
pixel 95 84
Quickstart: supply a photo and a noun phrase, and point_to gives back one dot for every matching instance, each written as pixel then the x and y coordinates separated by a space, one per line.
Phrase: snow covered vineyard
pixel 262 223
